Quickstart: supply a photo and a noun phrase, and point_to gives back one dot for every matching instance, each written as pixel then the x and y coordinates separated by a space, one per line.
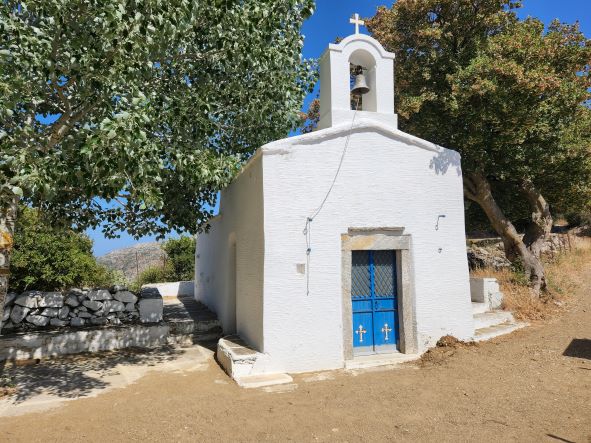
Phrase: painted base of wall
pixel 174 289
pixel 35 345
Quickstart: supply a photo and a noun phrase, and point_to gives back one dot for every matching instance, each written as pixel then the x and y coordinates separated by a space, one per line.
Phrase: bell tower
pixel 335 80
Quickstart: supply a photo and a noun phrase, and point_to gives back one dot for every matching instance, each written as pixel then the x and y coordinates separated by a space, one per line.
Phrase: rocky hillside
pixel 134 259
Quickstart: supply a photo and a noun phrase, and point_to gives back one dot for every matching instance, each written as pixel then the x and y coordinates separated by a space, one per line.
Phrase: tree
pixel 51 258
pixel 507 94
pixel 131 115
pixel 181 257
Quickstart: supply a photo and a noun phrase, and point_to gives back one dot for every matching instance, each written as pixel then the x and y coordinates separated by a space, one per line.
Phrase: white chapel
pixel 339 244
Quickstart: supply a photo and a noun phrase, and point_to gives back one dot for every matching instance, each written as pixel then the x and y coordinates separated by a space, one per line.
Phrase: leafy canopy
pixel 149 105
pixel 52 257
pixel 509 95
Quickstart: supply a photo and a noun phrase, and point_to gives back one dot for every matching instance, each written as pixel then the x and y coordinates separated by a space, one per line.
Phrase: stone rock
pixel 114 306
pixel 77 322
pixel 98 321
pixel 73 313
pixel 99 295
pixel 28 299
pixel 10 298
pixel 125 297
pixel 93 305
pixel 130 307
pixel 18 313
pixel 8 326
pixel 38 320
pixel 63 312
pixel 6 314
pixel 115 321
pixel 116 288
pixel 150 306
pixel 82 297
pixel 72 300
pixel 82 308
pixel 51 300
pixel 83 314
pixel 57 322
pixel 50 312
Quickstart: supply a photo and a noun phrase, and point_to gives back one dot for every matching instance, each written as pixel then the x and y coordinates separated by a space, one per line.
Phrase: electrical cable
pixel 307 229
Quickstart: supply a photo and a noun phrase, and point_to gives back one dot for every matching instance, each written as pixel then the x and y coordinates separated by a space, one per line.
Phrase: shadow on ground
pixel 579 348
pixel 72 376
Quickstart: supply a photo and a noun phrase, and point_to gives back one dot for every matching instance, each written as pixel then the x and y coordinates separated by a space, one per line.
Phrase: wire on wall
pixel 307 229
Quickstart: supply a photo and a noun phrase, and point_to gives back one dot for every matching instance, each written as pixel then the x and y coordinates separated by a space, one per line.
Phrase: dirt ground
pixel 534 385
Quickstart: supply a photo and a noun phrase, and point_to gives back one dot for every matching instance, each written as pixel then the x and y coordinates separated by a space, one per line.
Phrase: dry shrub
pixel 564 275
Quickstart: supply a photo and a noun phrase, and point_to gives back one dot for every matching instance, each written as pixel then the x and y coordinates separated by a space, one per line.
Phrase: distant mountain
pixel 134 259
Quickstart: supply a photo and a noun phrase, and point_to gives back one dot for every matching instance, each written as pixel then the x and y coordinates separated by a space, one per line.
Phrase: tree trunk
pixel 540 226
pixel 477 189
pixel 7 221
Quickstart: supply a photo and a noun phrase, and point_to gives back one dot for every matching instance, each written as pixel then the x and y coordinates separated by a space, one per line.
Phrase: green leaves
pixel 507 94
pixel 149 105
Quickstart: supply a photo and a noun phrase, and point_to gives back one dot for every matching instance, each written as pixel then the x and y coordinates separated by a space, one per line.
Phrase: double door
pixel 374 302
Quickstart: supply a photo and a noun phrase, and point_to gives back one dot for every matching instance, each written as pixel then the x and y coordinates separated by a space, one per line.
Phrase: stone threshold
pixel 375 360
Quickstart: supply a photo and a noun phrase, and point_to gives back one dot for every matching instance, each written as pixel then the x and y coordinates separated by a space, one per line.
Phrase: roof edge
pixel 362 124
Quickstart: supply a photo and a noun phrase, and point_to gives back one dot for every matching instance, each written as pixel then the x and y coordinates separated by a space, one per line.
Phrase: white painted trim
pixel 340 47
pixel 360 125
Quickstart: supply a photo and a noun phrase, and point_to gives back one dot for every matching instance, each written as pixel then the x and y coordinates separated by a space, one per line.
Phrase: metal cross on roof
pixel 355 21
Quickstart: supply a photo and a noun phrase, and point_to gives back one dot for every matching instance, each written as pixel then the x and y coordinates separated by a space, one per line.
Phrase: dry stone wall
pixel 74 308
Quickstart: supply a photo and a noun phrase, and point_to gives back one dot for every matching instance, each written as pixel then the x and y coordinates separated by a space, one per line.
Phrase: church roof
pixel 360 125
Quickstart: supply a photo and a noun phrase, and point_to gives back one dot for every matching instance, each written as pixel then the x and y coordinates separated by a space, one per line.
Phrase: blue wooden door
pixel 375 305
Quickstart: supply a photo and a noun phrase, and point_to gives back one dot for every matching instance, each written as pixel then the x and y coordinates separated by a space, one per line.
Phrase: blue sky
pixel 331 20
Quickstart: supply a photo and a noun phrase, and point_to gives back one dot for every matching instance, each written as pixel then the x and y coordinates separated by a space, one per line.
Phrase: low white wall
pixel 174 289
pixel 51 344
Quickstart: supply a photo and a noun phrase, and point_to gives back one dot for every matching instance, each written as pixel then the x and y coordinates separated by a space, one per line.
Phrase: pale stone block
pixel 72 300
pixel 57 322
pixel 77 322
pixel 113 306
pixel 51 300
pixel 93 305
pixel 99 295
pixel 63 312
pixel 150 306
pixel 125 297
pixel 50 312
pixel 28 299
pixel 38 320
pixel 18 313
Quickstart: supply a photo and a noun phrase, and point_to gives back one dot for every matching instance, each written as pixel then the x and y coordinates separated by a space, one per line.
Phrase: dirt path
pixel 517 388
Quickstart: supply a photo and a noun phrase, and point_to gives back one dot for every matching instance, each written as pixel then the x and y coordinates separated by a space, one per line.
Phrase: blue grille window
pixel 383 262
pixel 360 274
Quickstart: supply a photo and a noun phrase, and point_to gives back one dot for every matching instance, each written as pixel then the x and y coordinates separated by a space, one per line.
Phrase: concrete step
pixel 497 330
pixel 262 380
pixel 492 318
pixel 201 338
pixel 190 326
pixel 479 308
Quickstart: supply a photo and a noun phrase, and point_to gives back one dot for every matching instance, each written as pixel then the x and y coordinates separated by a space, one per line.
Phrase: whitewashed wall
pixel 384 182
pixel 240 221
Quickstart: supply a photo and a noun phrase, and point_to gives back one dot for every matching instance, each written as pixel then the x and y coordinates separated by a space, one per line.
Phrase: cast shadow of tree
pixel 445 160
pixel 579 348
pixel 68 376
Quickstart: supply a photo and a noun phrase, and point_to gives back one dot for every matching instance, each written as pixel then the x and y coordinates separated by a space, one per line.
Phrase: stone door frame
pixel 363 239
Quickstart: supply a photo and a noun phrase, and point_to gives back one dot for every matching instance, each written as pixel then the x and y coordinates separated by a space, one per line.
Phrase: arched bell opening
pixel 362 69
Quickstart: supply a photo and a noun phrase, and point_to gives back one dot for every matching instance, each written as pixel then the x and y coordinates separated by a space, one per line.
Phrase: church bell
pixel 360 87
